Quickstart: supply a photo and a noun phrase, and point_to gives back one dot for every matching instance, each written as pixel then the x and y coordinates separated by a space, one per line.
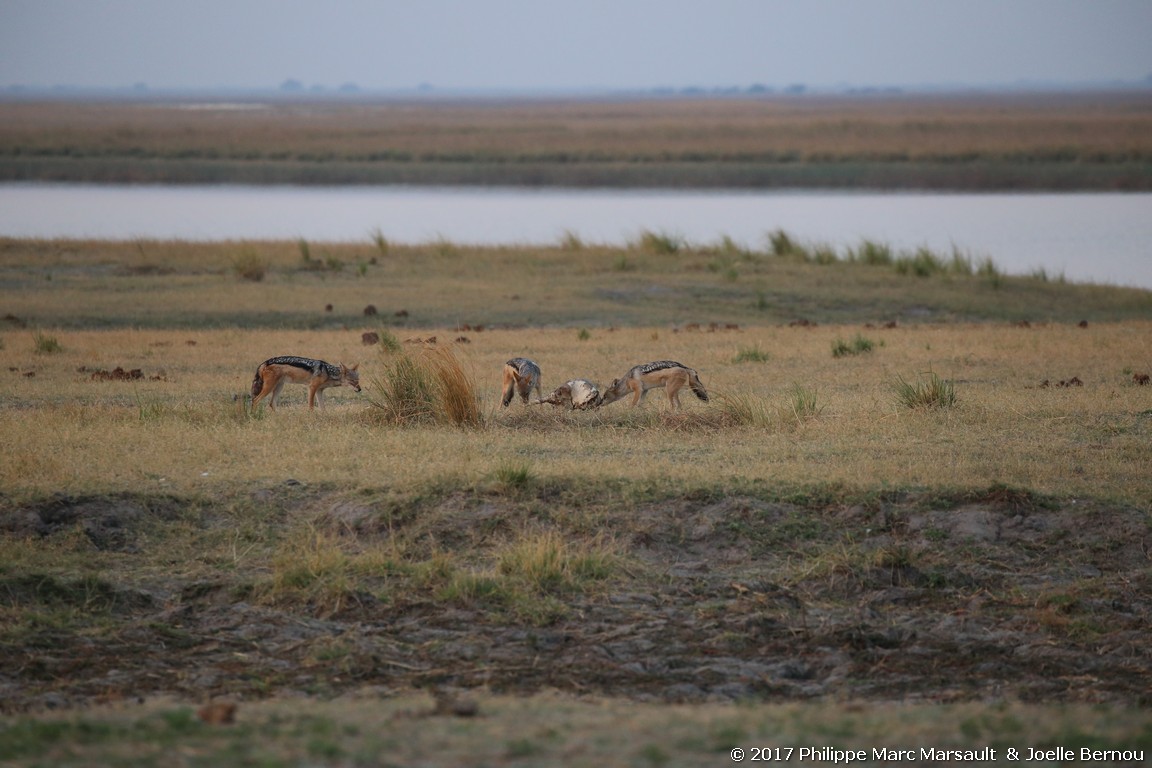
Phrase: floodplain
pixel 914 509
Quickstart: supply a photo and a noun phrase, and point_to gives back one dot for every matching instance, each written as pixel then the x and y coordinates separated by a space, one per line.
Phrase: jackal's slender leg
pixel 674 385
pixel 637 391
pixel 275 396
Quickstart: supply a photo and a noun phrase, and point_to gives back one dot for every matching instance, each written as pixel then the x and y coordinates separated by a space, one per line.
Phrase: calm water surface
pixel 1104 238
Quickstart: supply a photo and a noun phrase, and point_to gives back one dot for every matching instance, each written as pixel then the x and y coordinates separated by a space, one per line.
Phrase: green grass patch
pixel 751 355
pixel 927 391
pixel 859 345
pixel 660 243
pixel 46 344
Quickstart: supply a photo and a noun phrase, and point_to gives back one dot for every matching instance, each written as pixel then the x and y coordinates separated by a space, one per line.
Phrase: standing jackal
pixel 669 374
pixel 275 372
pixel 521 376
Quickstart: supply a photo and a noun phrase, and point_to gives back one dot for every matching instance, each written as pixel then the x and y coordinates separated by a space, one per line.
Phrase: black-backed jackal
pixel 669 374
pixel 275 372
pixel 576 394
pixel 521 376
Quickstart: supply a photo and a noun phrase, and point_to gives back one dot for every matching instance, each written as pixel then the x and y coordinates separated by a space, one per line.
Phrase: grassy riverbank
pixel 811 558
pixel 657 280
pixel 975 142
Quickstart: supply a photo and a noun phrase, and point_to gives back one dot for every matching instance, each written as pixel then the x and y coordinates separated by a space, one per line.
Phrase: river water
pixel 1096 237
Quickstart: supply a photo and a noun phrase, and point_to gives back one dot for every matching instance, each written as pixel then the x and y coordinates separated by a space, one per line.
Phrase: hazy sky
pixel 574 44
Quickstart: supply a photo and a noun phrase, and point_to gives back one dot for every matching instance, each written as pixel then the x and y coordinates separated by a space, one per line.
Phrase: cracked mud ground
pixel 983 597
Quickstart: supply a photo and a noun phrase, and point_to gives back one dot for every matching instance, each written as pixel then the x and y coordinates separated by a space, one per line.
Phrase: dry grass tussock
pixel 426 385
pixel 801 417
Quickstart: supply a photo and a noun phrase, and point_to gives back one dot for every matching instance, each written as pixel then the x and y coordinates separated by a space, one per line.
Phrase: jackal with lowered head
pixel 521 376
pixel 275 372
pixel 669 374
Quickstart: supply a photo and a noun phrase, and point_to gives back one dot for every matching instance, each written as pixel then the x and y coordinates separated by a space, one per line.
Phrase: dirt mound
pixel 119 374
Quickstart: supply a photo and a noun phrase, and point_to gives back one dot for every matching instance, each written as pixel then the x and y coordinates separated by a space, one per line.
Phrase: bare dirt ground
pixel 996 596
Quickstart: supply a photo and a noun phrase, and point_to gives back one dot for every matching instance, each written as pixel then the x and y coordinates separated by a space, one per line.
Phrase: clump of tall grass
pixel 1041 274
pixel 550 563
pixel 43 344
pixel 463 586
pixel 726 266
pixel 305 558
pixel 922 263
pixel 310 566
pixel 381 242
pixel 526 576
pixel 925 392
pixel 872 253
pixel 513 476
pixel 743 410
pixel 660 243
pixel 783 245
pixel 824 254
pixel 751 355
pixel 389 343
pixel 570 241
pixel 149 409
pixel 990 272
pixel 427 386
pixel 732 249
pixel 801 404
pixel 249 265
pixel 329 263
pixel 858 346
pixel 961 263
pixel 780 243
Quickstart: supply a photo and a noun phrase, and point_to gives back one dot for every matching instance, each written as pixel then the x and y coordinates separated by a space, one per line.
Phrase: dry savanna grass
pixel 165 543
pixel 802 417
